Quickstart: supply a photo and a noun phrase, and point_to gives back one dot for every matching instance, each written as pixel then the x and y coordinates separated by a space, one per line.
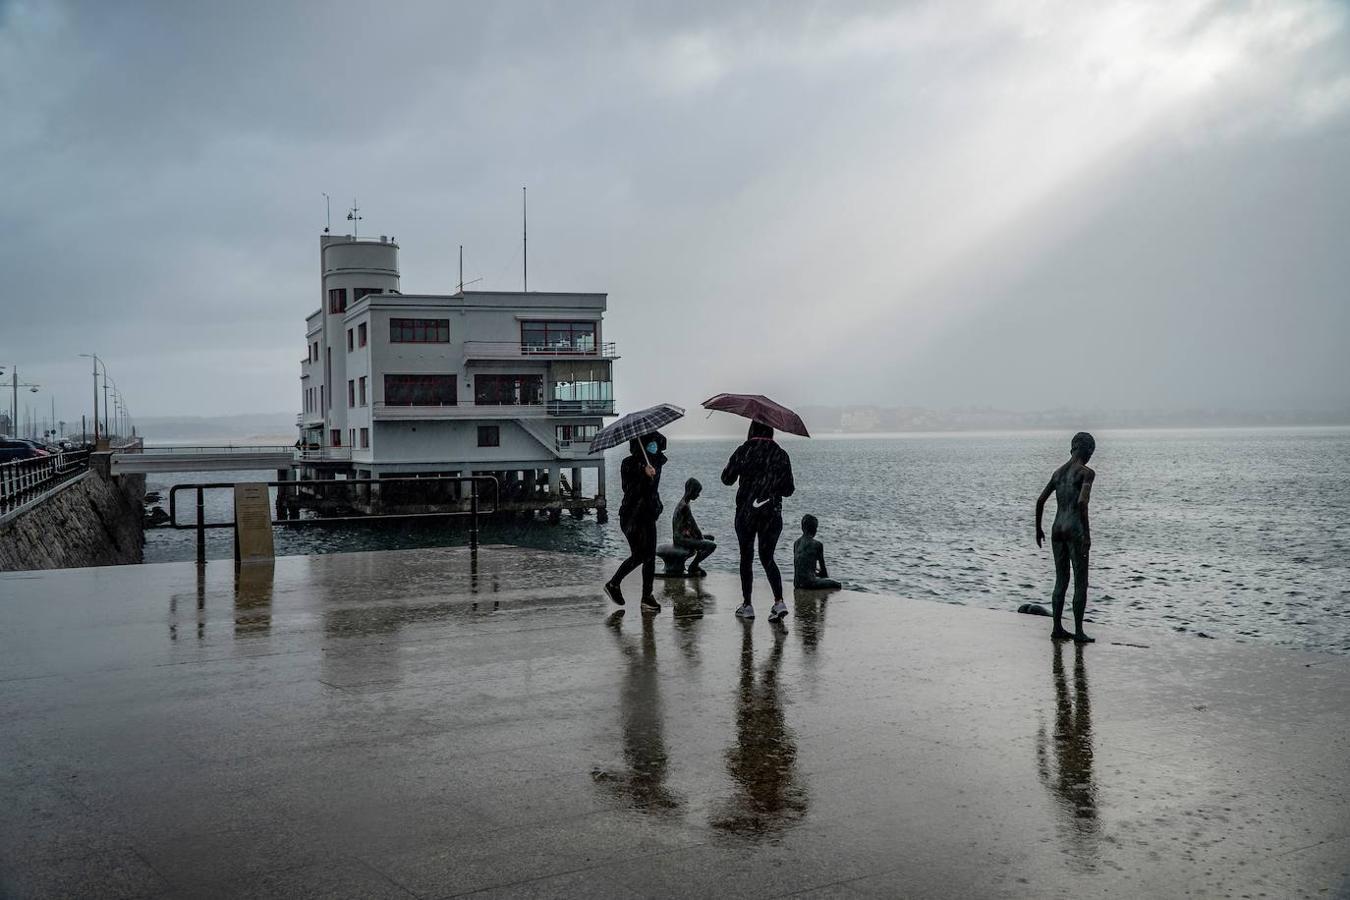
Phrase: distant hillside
pixel 250 428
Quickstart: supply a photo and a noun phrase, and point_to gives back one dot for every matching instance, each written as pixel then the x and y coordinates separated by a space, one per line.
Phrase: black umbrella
pixel 636 424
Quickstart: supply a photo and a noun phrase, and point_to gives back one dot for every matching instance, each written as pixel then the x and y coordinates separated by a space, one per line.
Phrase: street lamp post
pixel 98 362
pixel 15 384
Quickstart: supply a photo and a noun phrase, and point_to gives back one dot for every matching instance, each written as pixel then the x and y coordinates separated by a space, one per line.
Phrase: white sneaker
pixel 745 611
pixel 779 612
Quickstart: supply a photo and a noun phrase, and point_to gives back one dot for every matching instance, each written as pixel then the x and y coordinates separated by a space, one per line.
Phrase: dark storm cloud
pixel 828 200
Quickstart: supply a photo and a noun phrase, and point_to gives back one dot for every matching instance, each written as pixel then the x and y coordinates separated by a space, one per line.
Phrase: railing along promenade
pixel 24 481
pixel 471 506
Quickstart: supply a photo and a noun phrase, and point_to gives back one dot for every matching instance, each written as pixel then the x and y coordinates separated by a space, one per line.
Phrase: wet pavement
pixel 410 724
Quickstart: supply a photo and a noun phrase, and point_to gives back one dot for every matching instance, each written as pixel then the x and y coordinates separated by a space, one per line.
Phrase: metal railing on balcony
pixel 25 480
pixel 580 407
pixel 324 454
pixel 517 350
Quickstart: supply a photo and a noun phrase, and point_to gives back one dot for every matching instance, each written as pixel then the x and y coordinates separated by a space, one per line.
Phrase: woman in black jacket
pixel 640 475
pixel 765 474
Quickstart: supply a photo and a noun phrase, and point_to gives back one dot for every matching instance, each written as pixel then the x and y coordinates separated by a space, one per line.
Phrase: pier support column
pixel 601 505
pixel 576 483
pixel 555 482
pixel 283 507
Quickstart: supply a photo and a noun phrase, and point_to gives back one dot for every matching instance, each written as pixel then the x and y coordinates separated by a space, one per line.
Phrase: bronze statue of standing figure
pixel 1070 535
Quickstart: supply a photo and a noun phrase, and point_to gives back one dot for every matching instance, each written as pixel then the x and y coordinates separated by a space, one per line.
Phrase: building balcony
pixel 498 350
pixel 580 407
pixel 324 454
pixel 390 412
pixel 576 450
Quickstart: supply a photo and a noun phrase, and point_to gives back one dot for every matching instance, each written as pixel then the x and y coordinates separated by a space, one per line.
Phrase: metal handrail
pixel 202 526
pixel 511 349
pixel 323 454
pixel 215 450
pixel 22 480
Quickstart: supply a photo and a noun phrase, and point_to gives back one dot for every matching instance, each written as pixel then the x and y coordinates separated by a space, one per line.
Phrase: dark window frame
pixel 560 335
pixel 423 389
pixel 337 300
pixel 489 435
pixel 503 389
pixel 419 331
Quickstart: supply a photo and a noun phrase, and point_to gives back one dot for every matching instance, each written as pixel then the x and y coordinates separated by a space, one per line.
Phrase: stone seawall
pixel 94 520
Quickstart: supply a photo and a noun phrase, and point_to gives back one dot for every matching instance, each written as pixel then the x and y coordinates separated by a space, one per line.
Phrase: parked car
pixel 12 449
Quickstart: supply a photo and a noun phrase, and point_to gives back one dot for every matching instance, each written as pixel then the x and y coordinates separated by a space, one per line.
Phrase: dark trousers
pixel 763 528
pixel 701 550
pixel 641 552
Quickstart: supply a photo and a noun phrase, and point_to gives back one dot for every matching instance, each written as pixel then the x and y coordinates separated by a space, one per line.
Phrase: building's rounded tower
pixel 350 268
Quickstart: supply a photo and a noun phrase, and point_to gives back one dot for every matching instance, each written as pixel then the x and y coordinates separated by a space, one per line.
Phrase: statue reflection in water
pixel 1064 759
pixel 763 761
pixel 643 785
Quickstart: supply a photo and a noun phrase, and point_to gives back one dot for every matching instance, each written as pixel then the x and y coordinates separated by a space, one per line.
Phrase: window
pixel 365 440
pixel 566 337
pixel 489 436
pixel 336 436
pixel 582 382
pixel 358 293
pixel 351 342
pixel 419 390
pixel 508 390
pixel 577 433
pixel 419 331
pixel 351 393
pixel 314 352
pixel 361 335
pixel 337 300
pixel 321 398
pixel 351 437
pixel 361 386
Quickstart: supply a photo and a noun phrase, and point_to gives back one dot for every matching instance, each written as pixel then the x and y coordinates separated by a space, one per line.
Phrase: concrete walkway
pixel 400 724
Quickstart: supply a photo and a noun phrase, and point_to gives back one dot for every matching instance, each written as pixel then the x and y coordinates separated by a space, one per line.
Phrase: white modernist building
pixel 475 382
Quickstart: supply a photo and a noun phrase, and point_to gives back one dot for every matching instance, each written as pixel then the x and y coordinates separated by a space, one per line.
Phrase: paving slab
pixel 435 723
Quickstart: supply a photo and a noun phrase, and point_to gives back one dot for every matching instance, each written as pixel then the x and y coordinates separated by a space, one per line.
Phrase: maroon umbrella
pixel 760 409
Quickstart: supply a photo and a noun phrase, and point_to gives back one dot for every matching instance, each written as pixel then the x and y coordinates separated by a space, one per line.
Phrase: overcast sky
pixel 1015 204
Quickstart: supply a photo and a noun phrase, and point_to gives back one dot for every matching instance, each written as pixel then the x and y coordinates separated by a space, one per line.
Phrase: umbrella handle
pixel 644 456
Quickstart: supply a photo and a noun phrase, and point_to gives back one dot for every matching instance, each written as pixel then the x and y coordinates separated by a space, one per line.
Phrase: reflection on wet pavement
pixel 423 723
pixel 763 761
pixel 644 747
pixel 1064 758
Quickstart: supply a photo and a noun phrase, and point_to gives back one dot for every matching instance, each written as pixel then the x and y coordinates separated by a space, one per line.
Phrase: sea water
pixel 1238 534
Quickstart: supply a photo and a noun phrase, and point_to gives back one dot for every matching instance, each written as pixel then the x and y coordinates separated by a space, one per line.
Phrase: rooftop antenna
pixel 327 213
pixel 524 240
pixel 354 216
pixel 460 290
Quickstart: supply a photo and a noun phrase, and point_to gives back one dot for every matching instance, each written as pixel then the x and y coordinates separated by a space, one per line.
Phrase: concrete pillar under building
pixel 576 483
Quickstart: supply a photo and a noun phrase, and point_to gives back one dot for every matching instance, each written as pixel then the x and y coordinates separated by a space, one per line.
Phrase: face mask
pixel 652 447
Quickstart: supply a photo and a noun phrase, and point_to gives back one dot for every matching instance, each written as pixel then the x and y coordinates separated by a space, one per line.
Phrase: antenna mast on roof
pixel 353 216
pixel 524 241
pixel 460 290
pixel 327 213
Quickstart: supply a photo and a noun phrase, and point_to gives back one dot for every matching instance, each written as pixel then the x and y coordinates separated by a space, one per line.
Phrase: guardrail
pixel 324 454
pixel 24 480
pixel 475 510
pixel 469 410
pixel 215 450
pixel 516 350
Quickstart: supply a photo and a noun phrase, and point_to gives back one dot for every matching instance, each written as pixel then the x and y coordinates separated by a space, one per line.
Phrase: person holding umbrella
pixel 764 471
pixel 640 476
